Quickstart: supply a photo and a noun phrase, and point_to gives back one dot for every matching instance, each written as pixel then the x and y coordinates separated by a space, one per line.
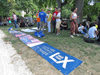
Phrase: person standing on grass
pixel 18 19
pixel 38 20
pixel 58 21
pixel 46 19
pixel 42 16
pixel 54 19
pixel 49 21
pixel 74 25
pixel 15 20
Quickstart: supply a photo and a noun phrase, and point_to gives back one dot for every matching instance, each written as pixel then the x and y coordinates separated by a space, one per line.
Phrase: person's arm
pixel 55 15
pixel 71 17
pixel 66 25
pixel 39 14
pixel 96 32
pixel 62 25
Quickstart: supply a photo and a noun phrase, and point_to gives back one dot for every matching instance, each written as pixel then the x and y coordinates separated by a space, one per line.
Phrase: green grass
pixel 87 52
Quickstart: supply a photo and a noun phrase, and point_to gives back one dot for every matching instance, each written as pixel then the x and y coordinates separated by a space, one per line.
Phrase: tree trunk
pixel 59 3
pixel 80 6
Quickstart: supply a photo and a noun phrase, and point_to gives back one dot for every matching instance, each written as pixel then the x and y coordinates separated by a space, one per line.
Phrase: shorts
pixel 58 24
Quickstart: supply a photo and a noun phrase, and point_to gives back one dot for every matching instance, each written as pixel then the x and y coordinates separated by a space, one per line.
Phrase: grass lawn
pixel 87 52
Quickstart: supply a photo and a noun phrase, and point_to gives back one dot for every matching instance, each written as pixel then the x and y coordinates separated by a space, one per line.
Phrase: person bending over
pixel 64 26
pixel 93 32
pixel 22 24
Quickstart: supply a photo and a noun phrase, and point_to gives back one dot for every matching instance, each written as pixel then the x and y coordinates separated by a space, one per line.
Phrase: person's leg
pixel 86 29
pixel 76 26
pixel 49 28
pixel 40 25
pixel 59 27
pixel 48 25
pixel 72 29
pixel 15 23
pixel 53 26
pixel 43 26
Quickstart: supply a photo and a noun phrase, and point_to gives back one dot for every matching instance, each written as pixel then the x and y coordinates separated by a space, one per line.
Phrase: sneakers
pixel 58 34
pixel 71 36
pixel 77 34
pixel 73 33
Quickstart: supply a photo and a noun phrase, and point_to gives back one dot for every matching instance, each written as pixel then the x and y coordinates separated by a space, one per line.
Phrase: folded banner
pixel 27 30
pixel 64 62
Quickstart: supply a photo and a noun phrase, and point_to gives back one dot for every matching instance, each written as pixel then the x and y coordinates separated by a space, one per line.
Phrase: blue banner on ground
pixel 64 62
pixel 60 60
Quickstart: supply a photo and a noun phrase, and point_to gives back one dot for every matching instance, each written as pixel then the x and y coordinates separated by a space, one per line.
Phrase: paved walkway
pixel 10 62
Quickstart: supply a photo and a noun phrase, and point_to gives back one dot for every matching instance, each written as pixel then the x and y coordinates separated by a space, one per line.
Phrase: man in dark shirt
pixel 54 19
pixel 64 26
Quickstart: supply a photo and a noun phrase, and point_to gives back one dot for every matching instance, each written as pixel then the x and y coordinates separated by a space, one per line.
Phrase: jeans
pixel 15 22
pixel 42 24
pixel 49 26
pixel 54 25
pixel 86 29
pixel 38 24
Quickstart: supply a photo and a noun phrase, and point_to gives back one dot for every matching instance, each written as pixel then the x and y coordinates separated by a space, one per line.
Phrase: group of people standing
pixel 54 19
pixel 46 18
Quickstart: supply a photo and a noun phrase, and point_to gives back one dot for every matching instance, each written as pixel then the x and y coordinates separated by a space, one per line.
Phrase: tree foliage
pixel 5 7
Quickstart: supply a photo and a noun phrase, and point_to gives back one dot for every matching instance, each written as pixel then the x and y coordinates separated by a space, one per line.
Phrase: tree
pixel 80 6
pixel 29 6
pixel 60 4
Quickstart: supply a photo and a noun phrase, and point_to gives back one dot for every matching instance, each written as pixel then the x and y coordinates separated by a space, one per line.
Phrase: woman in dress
pixel 74 25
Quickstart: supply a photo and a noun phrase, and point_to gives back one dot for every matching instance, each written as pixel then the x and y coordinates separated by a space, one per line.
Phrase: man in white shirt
pixel 81 28
pixel 58 21
pixel 93 32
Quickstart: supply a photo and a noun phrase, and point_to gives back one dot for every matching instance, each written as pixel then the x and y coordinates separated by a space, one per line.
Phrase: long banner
pixel 64 62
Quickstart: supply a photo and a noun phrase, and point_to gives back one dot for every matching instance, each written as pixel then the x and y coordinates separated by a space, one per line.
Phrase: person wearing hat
pixel 58 21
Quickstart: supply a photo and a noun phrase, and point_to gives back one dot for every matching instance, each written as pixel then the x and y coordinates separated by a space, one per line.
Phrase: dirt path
pixel 10 62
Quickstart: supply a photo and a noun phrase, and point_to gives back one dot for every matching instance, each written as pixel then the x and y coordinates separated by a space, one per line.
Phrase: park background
pixel 30 7
pixel 87 52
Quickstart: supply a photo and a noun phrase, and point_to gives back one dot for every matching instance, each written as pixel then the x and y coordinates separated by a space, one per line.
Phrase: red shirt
pixel 9 19
pixel 55 14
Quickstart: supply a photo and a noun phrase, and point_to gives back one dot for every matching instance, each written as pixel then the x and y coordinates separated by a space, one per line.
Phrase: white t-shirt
pixel 58 15
pixel 15 17
pixel 46 18
pixel 81 29
pixel 91 32
pixel 74 15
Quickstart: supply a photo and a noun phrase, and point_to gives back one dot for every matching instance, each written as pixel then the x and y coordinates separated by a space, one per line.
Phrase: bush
pixel 28 15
